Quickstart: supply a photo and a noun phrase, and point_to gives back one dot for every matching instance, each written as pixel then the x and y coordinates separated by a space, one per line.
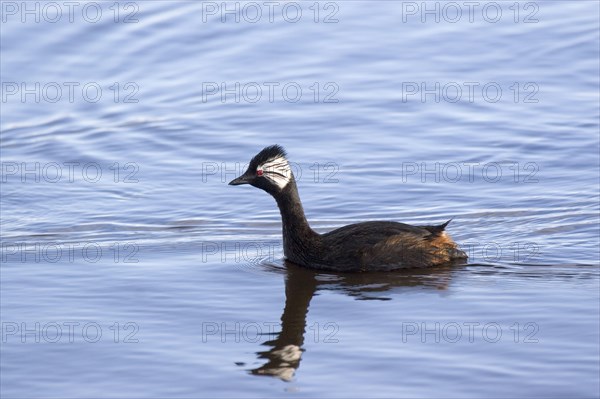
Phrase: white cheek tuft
pixel 277 170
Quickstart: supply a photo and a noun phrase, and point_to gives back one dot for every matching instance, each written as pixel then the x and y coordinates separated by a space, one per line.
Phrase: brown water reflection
pixel 285 351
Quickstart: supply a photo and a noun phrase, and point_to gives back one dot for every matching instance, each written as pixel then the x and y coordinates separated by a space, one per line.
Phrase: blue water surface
pixel 131 269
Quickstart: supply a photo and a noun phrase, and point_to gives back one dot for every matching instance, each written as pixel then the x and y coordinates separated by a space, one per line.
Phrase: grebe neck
pixel 298 236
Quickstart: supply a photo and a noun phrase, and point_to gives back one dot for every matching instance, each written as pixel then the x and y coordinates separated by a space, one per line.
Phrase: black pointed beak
pixel 243 179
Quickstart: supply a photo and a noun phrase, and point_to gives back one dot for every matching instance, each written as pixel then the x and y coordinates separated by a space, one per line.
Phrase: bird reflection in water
pixel 301 284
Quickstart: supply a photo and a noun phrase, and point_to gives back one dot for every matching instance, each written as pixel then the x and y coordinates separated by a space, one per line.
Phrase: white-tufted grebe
pixel 367 246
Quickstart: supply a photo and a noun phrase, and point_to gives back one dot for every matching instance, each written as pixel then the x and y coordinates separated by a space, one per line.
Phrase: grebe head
pixel 269 170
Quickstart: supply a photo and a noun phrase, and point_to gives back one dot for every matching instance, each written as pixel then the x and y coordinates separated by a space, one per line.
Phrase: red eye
pixel 259 172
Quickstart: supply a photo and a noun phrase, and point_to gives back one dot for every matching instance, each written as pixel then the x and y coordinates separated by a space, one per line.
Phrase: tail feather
pixel 443 225
pixel 437 230
pixel 446 249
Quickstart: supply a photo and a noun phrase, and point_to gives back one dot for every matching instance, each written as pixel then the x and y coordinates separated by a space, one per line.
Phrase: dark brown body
pixel 367 246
